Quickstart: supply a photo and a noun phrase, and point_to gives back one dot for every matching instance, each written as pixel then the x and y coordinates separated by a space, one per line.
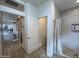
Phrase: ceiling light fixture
pixel 77 1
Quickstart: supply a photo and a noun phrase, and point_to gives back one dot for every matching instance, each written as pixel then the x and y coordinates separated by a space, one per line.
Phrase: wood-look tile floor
pixel 15 50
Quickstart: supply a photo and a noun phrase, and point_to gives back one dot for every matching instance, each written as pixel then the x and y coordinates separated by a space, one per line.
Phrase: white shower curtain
pixel 57 41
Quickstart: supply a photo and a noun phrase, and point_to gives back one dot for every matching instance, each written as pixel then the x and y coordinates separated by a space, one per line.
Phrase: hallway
pixel 23 18
pixel 35 29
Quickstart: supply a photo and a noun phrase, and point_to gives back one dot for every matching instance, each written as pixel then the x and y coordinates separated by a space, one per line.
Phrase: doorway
pixel 20 26
pixel 43 31
pixel 9 33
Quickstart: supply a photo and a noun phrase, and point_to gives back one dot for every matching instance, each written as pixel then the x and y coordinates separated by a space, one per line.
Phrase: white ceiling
pixel 36 3
pixel 62 5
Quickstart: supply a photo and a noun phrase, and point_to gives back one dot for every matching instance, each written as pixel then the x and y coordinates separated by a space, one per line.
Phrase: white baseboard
pixel 32 50
pixel 64 55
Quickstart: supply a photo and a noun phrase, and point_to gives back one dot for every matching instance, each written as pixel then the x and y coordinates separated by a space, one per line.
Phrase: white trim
pixel 63 55
pixel 11 10
pixel 34 49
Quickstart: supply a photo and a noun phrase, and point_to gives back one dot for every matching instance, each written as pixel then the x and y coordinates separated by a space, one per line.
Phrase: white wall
pixel 48 9
pixel 57 13
pixel 69 38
